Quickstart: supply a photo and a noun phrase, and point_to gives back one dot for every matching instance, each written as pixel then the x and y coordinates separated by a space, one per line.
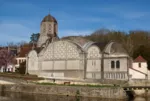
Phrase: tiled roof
pixel 24 50
pixel 49 18
pixel 77 39
pixel 101 45
pixel 140 59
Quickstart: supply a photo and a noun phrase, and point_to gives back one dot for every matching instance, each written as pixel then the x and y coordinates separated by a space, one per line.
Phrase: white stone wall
pixel 32 63
pixel 47 65
pixel 93 70
pixel 136 75
pixel 123 64
pixel 74 65
pixel 116 73
pixel 143 67
pixel 60 57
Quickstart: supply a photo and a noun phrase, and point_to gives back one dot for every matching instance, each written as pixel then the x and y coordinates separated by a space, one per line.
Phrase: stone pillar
pixel 85 64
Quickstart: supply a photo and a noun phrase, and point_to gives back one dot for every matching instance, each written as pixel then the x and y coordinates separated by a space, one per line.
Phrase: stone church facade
pixel 75 58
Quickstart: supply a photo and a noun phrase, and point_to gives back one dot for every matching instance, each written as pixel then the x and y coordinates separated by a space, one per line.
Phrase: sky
pixel 20 18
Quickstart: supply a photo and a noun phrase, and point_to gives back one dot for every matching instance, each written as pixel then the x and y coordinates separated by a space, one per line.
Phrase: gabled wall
pixel 140 66
pixel 62 59
pixel 115 54
pixel 93 70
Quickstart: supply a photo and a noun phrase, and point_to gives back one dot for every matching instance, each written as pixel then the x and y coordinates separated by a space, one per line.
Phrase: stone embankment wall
pixel 101 92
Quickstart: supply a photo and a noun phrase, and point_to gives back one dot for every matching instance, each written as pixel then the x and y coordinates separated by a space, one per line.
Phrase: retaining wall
pixel 101 92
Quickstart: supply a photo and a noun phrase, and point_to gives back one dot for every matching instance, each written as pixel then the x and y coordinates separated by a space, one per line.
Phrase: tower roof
pixel 49 18
pixel 140 59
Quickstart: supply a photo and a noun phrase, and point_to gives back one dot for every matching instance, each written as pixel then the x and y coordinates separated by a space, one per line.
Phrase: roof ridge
pixel 139 59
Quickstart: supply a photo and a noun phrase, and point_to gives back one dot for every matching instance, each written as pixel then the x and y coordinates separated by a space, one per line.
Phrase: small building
pixel 139 69
pixel 23 51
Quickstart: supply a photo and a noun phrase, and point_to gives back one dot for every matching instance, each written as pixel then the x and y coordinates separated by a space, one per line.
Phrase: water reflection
pixel 9 96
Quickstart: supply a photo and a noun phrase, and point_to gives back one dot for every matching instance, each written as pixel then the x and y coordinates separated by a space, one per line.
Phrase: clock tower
pixel 48 30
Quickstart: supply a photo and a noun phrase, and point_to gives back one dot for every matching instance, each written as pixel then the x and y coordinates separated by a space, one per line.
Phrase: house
pixel 139 69
pixel 22 54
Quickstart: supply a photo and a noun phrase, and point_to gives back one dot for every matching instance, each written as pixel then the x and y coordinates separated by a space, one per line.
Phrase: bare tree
pixel 6 58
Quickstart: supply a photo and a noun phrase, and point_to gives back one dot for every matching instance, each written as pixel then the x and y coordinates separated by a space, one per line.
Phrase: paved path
pixel 5 82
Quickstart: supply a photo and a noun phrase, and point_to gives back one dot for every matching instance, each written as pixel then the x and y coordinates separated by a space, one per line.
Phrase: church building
pixel 75 58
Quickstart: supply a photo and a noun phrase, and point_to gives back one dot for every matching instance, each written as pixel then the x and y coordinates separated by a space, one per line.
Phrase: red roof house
pixel 139 59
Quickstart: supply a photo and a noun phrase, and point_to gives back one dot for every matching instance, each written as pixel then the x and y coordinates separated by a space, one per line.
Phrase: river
pixel 9 96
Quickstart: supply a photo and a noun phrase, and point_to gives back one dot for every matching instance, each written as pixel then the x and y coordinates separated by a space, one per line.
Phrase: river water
pixel 9 96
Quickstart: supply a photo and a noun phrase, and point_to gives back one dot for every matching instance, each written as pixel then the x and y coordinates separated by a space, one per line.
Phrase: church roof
pixel 49 18
pixel 101 45
pixel 82 42
pixel 114 47
pixel 108 47
pixel 140 59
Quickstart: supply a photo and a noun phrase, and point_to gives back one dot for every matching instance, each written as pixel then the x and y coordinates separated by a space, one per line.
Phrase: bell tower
pixel 48 30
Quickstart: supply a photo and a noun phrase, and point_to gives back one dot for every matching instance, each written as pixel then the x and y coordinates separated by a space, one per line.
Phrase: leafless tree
pixel 6 57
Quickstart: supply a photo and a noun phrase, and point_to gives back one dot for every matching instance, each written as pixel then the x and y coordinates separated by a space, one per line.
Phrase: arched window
pixel 112 64
pixel 118 64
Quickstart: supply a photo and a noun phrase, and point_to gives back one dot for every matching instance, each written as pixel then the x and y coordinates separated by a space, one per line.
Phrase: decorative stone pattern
pixel 61 50
pixel 93 52
pixel 93 63
pixel 116 75
pixel 42 40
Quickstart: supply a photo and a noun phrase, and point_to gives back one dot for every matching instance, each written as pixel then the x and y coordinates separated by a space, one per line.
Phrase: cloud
pixel 74 32
pixel 135 15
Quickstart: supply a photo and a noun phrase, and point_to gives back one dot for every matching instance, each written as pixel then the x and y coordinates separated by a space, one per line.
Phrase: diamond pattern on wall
pixel 61 50
pixel 93 52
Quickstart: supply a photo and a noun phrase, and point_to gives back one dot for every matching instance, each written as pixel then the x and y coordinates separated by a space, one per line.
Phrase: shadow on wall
pixel 22 68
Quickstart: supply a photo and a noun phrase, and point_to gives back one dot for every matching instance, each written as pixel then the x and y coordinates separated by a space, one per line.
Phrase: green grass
pixel 20 76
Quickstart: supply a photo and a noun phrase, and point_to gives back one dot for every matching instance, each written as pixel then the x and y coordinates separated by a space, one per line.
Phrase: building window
pixel 118 64
pixel 139 64
pixel 112 64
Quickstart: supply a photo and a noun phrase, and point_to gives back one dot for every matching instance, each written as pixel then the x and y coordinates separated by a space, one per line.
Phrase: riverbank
pixel 99 92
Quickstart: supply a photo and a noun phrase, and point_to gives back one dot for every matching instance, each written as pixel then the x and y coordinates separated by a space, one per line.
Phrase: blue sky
pixel 20 18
